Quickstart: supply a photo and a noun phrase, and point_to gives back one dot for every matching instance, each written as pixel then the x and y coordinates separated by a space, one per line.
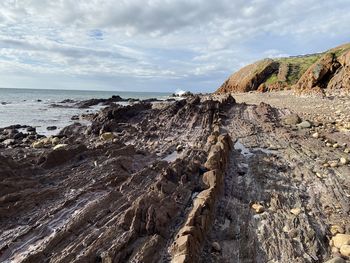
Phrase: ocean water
pixel 21 106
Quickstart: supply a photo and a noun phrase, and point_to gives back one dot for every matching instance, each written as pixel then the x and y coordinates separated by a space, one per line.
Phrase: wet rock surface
pixel 204 179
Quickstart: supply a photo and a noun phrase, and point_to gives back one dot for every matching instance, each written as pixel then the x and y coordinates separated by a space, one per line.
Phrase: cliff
pixel 315 73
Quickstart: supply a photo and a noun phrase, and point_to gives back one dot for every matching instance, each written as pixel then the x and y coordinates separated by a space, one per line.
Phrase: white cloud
pixel 167 42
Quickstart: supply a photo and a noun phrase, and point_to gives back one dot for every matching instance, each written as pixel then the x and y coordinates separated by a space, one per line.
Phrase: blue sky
pixel 156 45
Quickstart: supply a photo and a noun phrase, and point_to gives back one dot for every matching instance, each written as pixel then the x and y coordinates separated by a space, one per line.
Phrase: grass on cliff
pixel 272 79
pixel 340 50
pixel 298 66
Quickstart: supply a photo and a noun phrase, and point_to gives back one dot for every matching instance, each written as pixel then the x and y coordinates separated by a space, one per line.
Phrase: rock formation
pixel 203 179
pixel 250 77
pixel 321 73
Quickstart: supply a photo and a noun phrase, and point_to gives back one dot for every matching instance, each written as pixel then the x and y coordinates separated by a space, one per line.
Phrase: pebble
pixel 179 148
pixel 258 208
pixel 291 119
pixel 319 175
pixel 316 135
pixel 336 145
pixel 59 146
pixel 335 250
pixel 335 229
pixel 295 211
pixel 336 260
pixel 55 140
pixel 8 142
pixel 107 136
pixel 216 246
pixel 37 144
pixel 333 164
pixel 304 124
pixel 340 239
pixel 344 160
pixel 328 144
pixel 347 150
pixel 51 128
pixel 345 250
pixel 285 229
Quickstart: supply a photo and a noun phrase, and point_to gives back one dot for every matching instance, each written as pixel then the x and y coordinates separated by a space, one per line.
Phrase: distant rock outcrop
pixel 250 77
pixel 319 73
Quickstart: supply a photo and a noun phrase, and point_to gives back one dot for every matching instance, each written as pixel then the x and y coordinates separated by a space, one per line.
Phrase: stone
pixel 316 135
pixel 51 128
pixel 336 260
pixel 292 119
pixel 304 124
pixel 216 246
pixel 335 229
pixel 285 229
pixel 336 145
pixel 59 146
pixel 8 142
pixel 31 129
pixel 62 155
pixel 335 251
pixel 258 208
pixel 105 258
pixel 341 239
pixel 347 150
pixel 55 140
pixel 107 136
pixel 333 164
pixel 344 160
pixel 179 148
pixel 211 139
pixel 296 211
pixel 319 175
pixel 345 250
pixel 38 144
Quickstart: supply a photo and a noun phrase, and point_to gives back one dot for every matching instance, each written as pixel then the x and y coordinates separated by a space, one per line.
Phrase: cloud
pixel 156 45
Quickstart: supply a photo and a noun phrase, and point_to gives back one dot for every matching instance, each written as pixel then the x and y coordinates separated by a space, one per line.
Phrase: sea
pixel 32 106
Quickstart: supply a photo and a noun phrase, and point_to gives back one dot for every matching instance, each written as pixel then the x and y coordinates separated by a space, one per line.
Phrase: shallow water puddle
pixel 246 152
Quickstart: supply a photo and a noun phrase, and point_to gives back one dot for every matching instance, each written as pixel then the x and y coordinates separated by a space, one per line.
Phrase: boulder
pixel 62 155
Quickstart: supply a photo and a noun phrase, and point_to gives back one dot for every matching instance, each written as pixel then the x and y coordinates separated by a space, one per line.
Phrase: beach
pixel 160 180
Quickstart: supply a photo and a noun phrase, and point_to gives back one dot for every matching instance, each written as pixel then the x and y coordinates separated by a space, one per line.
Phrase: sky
pixel 156 45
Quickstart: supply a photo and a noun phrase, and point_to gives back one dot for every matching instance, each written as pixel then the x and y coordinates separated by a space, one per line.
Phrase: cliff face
pixel 250 77
pixel 315 73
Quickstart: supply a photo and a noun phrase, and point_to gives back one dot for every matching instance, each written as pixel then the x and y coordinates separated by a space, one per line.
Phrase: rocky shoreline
pixel 208 178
